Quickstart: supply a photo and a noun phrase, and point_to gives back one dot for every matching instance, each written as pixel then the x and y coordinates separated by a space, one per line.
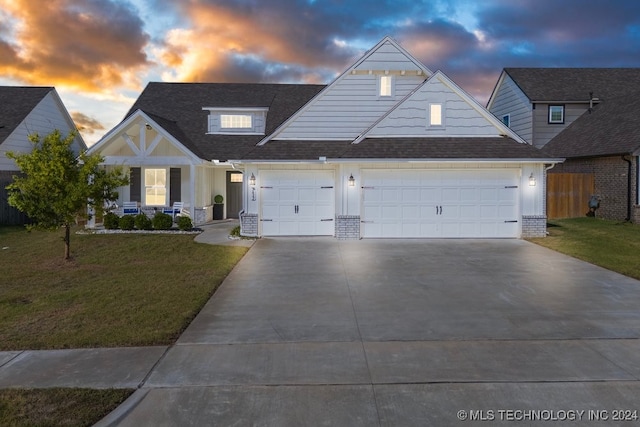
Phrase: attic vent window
pixel 435 115
pixel 386 86
pixel 236 121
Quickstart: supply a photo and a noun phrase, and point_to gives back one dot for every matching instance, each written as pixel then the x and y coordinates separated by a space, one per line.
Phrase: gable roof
pixel 612 128
pixel 177 107
pixel 574 84
pixel 369 54
pixel 16 102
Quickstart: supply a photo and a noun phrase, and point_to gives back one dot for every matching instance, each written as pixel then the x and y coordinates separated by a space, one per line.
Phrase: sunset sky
pixel 100 54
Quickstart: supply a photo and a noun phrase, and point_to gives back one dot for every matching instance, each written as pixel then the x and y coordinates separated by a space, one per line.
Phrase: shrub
pixel 127 222
pixel 162 221
pixel 218 199
pixel 235 232
pixel 143 222
pixel 184 223
pixel 111 221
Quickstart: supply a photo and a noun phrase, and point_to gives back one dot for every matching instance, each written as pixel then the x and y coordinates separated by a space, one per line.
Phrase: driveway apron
pixel 316 331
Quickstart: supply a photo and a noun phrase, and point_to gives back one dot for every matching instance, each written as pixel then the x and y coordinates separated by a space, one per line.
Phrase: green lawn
pixel 609 244
pixel 57 407
pixel 119 290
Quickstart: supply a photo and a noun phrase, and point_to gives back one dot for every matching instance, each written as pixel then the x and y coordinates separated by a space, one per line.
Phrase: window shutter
pixel 135 185
pixel 175 185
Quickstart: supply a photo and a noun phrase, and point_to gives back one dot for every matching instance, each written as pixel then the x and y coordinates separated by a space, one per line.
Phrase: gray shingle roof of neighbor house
pixel 574 84
pixel 398 148
pixel 178 109
pixel 612 128
pixel 16 102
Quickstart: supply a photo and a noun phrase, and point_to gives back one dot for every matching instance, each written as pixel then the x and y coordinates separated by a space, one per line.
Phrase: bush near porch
pixel 613 245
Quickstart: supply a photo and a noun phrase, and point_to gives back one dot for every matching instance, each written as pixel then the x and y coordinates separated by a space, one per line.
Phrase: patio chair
pixel 175 210
pixel 130 208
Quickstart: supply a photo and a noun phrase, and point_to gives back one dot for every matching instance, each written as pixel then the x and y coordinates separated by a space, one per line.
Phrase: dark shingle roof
pixel 399 148
pixel 574 84
pixel 612 128
pixel 179 107
pixel 16 102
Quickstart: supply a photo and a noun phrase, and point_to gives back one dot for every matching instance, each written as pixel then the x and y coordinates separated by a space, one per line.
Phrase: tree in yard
pixel 57 185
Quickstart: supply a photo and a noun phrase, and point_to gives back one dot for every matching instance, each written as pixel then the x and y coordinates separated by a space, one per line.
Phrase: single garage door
pixel 440 203
pixel 297 203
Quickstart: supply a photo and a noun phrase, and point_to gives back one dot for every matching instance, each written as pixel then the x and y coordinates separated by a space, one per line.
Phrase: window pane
pixel 506 120
pixel 556 114
pixel 155 187
pixel 235 121
pixel 385 86
pixel 435 115
pixel 235 177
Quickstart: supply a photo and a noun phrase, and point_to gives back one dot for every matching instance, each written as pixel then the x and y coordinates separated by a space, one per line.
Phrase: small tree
pixel 57 185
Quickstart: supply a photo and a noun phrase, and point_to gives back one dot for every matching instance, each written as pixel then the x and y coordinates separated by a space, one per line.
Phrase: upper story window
pixel 234 121
pixel 386 86
pixel 506 120
pixel 435 115
pixel 556 114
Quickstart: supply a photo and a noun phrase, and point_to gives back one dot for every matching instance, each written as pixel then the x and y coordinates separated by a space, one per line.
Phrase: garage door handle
pixel 266 220
pixel 515 220
pixel 438 210
pixel 327 219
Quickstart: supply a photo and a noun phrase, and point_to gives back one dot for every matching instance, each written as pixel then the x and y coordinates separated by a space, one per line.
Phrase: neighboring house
pixel 555 108
pixel 606 143
pixel 25 111
pixel 388 149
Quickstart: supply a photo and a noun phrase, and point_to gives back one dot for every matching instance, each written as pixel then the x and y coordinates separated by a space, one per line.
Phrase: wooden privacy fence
pixel 568 194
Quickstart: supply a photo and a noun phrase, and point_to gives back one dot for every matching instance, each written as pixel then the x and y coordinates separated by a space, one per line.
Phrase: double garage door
pixel 442 203
pixel 395 203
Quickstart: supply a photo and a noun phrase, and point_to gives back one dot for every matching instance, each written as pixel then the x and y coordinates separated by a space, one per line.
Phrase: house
pixel 388 149
pixel 24 111
pixel 555 109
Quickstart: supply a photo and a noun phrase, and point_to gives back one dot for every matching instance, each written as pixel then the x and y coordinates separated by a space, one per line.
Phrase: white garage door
pixel 442 203
pixel 297 203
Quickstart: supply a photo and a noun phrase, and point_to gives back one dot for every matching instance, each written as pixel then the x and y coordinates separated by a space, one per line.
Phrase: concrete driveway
pixel 400 333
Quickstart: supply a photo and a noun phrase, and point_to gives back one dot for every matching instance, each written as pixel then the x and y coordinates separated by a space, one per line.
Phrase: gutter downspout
pixel 629 171
pixel 544 194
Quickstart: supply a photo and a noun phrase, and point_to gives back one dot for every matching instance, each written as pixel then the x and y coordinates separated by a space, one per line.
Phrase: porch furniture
pixel 174 210
pixel 130 208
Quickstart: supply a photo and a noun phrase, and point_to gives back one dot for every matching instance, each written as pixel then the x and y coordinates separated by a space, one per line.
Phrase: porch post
pixel 192 195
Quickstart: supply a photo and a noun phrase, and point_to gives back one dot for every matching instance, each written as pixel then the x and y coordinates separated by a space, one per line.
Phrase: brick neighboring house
pixel 606 143
pixel 587 116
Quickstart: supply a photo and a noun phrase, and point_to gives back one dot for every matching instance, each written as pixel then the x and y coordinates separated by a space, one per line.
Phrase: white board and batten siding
pixel 509 99
pixel 48 115
pixel 351 104
pixel 297 203
pixel 440 203
pixel 411 117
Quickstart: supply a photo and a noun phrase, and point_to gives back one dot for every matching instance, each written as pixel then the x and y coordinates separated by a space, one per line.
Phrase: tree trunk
pixel 67 242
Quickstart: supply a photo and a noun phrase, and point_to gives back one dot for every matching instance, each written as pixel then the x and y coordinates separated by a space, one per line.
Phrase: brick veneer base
pixel 347 227
pixel 249 225
pixel 534 226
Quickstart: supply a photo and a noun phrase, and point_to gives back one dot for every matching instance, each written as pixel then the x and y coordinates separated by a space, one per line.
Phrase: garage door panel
pixel 440 203
pixel 296 203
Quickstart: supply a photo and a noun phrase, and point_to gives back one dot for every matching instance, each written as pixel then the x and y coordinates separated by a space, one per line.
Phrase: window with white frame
pixel 506 120
pixel 435 114
pixel 556 114
pixel 155 187
pixel 386 86
pixel 236 121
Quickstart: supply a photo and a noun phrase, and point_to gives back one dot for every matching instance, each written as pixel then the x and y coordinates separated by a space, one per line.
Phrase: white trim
pixel 236 109
pixel 440 115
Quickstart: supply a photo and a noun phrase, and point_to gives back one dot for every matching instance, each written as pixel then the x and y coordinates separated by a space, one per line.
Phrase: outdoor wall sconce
pixel 532 180
pixel 148 126
pixel 252 179
pixel 352 181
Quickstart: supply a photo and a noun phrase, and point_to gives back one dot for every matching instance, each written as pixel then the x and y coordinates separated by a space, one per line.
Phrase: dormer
pixel 236 121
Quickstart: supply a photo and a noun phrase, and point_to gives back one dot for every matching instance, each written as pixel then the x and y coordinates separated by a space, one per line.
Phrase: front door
pixel 234 194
